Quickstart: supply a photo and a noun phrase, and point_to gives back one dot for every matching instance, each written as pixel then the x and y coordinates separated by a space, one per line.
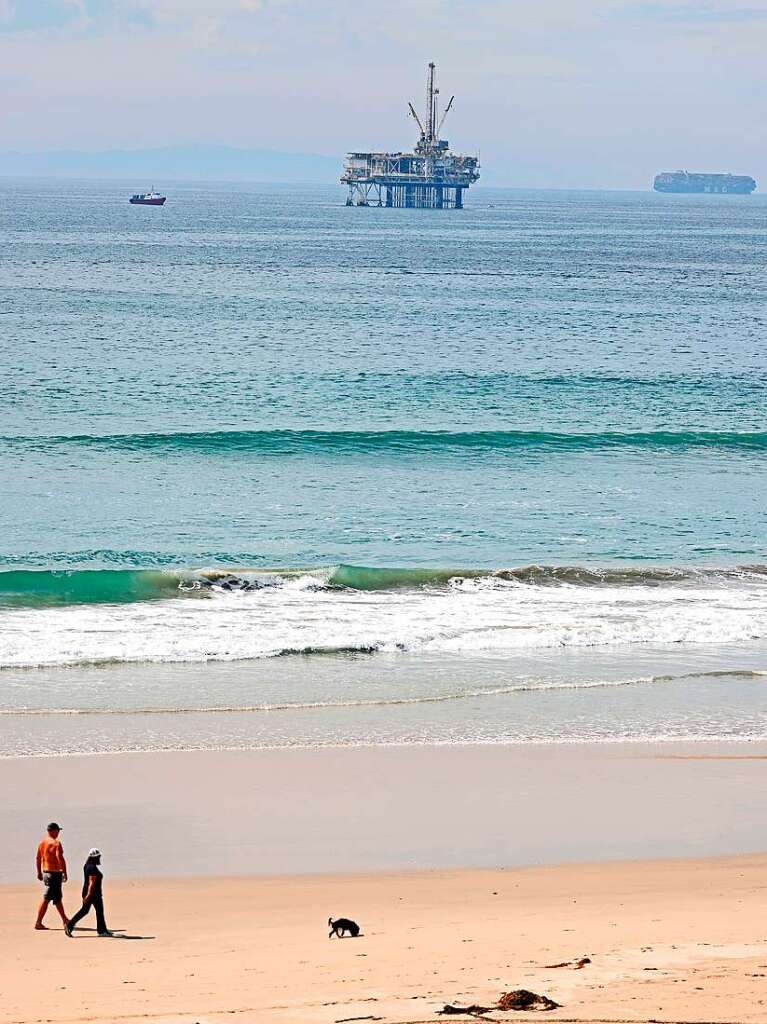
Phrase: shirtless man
pixel 52 872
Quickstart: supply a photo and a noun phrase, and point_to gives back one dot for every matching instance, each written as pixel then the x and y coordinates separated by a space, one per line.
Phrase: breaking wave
pixel 101 617
pixel 50 587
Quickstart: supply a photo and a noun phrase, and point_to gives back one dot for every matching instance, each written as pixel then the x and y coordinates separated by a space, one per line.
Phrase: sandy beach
pixel 468 869
pixel 668 941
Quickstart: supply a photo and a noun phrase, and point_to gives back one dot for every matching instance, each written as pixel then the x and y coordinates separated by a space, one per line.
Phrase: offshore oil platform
pixel 431 177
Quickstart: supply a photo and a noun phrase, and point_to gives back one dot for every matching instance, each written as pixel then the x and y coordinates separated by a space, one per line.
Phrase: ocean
pixel 277 472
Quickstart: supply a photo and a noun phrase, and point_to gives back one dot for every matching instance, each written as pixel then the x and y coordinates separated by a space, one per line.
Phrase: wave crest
pixel 396 442
pixel 50 587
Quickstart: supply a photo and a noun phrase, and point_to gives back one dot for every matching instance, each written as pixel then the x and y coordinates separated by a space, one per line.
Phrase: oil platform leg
pixel 459 199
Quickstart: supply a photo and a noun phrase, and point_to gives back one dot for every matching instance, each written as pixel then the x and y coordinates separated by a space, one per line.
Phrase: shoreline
pixel 569 696
pixel 600 742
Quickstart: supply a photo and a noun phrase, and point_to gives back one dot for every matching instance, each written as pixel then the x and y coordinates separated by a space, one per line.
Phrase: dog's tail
pixel 330 922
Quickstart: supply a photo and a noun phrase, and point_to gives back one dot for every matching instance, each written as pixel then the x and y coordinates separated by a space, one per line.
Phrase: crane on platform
pixel 447 111
pixel 417 120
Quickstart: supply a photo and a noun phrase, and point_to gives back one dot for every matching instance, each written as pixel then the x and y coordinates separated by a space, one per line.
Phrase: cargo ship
pixel 686 181
pixel 150 198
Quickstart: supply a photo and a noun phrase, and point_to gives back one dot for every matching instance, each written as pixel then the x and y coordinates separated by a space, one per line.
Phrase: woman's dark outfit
pixel 95 900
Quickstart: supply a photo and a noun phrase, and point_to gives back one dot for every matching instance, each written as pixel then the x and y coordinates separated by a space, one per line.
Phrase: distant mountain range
pixel 192 163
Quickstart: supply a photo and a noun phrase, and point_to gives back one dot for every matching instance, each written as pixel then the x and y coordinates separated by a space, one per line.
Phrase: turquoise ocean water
pixel 275 471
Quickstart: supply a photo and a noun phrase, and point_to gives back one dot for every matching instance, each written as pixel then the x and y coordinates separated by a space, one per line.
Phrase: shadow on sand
pixel 117 933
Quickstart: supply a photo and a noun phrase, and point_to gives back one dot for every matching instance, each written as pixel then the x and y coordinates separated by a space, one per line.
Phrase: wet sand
pixel 364 809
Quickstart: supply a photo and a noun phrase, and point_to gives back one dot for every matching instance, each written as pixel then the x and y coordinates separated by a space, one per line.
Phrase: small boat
pixel 150 198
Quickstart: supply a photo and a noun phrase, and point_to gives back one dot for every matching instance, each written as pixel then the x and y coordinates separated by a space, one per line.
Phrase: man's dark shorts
pixel 52 881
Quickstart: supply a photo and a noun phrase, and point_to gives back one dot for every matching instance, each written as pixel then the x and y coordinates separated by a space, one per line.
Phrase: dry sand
pixel 669 941
pixel 245 941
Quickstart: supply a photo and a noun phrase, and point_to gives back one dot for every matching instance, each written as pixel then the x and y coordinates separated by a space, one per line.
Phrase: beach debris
pixel 523 999
pixel 519 999
pixel 577 965
pixel 345 1020
pixel 471 1011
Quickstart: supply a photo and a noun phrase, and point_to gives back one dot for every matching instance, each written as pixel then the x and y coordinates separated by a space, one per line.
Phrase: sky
pixel 551 93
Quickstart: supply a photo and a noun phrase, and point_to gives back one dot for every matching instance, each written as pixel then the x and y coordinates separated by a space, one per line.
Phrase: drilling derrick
pixel 429 177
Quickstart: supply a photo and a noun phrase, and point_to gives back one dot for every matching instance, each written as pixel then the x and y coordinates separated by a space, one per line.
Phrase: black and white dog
pixel 341 926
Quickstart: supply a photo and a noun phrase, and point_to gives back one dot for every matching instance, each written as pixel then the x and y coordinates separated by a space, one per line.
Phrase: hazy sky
pixel 552 92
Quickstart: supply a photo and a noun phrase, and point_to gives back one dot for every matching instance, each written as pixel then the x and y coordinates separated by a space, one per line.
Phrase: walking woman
pixel 92 896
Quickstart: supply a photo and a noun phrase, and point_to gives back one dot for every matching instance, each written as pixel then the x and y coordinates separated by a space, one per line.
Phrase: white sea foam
pixel 486 616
